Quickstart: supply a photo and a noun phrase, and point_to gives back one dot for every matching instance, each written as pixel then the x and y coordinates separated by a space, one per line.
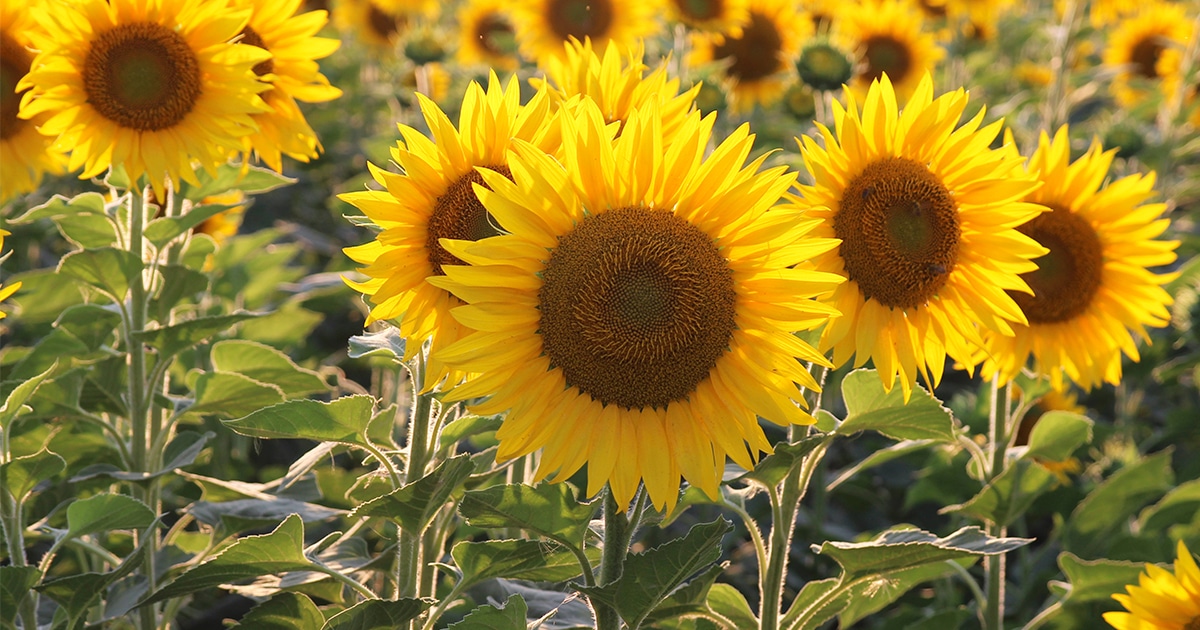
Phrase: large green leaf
pixel 63 206
pixel 1057 434
pixel 377 614
pixel 688 600
pixel 1004 499
pixel 1113 502
pixel 78 593
pixel 345 420
pixel 548 509
pixel 58 347
pixel 14 404
pixel 109 269
pixel 232 395
pixel 729 603
pixel 284 611
pixel 650 577
pixel 15 583
pixel 21 474
pixel 265 364
pixel 171 339
pixel 1094 580
pixel 414 504
pixel 251 180
pixel 467 426
pixel 104 512
pixel 517 559
pixel 88 231
pixel 44 294
pixel 182 451
pixel 774 468
pixel 277 552
pixel 870 407
pixel 1179 506
pixel 161 230
pixel 904 548
pixel 93 325
pixel 177 282
pixel 867 597
pixel 508 616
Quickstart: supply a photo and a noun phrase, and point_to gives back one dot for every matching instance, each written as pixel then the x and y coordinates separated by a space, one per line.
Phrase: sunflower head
pixel 888 37
pixel 1144 48
pixel 544 26
pixel 926 212
pixel 718 16
pixel 823 66
pixel 1161 598
pixel 375 22
pixel 25 153
pixel 487 35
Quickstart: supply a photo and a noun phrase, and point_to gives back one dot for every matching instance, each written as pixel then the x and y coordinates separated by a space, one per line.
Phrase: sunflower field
pixel 642 314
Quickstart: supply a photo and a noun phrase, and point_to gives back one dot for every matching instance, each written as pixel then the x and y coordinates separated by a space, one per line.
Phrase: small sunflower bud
pixel 799 102
pixel 823 67
pixel 423 49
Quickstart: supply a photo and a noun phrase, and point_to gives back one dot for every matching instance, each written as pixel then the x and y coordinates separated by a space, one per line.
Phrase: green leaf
pixel 277 552
pixel 93 325
pixel 344 420
pixel 290 325
pixel 171 339
pixel 284 611
pixel 1096 580
pixel 107 268
pixel 687 601
pixel 415 503
pixel 87 231
pixel 15 583
pixel 232 395
pixel 63 206
pixel 178 282
pixel 265 364
pixel 21 474
pixel 650 577
pixel 377 614
pixel 57 347
pixel 385 343
pixel 229 177
pixel 44 294
pixel 104 512
pixel 1113 502
pixel 78 593
pixel 161 230
pixel 1058 434
pixel 1004 499
pixel 816 603
pixel 547 509
pixel 867 597
pixel 508 616
pixel 725 600
pixel 467 426
pixel 517 559
pixel 869 407
pixel 14 405
pixel 772 469
pixel 182 451
pixel 196 254
pixel 904 548
pixel 1180 505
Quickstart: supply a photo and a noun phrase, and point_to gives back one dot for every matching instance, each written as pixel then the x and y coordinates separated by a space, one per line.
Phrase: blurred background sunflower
pixel 888 36
pixel 1138 48
pixel 486 35
pixel 544 26
pixel 25 153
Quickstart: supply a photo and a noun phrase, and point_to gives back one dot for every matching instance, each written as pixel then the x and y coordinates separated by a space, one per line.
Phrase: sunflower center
pixel 1068 277
pixel 495 35
pixel 1194 624
pixel 885 54
pixel 637 307
pixel 384 24
pixel 14 64
pixel 250 37
pixel 899 230
pixel 459 214
pixel 580 18
pixel 142 76
pixel 1144 57
pixel 699 10
pixel 754 55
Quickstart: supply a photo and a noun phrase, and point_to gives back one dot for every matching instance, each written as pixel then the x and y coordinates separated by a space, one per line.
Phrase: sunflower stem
pixel 994 566
pixel 409 560
pixel 1055 108
pixel 617 533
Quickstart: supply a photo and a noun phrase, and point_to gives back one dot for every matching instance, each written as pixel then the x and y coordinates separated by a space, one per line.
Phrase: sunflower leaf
pixel 251 180
pixel 377 614
pixel 104 512
pixel 517 559
pixel 22 474
pixel 414 504
pixel 15 584
pixel 385 343
pixel 170 340
pixel 284 611
pixel 1094 580
pixel 1111 504
pixel 773 468
pixel 77 593
pixel 547 509
pixel 1005 498
pixel 267 365
pixel 232 395
pixel 106 268
pixel 1057 434
pixel 870 407
pixel 507 616
pixel 161 230
pixel 345 420
pixel 14 404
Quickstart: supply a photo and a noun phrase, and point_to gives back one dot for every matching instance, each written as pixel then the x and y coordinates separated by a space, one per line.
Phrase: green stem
pixel 344 579
pixel 617 532
pixel 994 565
pixel 794 488
pixel 410 550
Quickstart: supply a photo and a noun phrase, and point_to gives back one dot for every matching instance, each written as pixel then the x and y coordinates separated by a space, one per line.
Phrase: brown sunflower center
pixel 14 64
pixel 495 35
pixel 1144 56
pixel 382 23
pixel 899 230
pixel 250 37
pixel 754 55
pixel 142 76
pixel 458 214
pixel 883 53
pixel 1194 624
pixel 699 10
pixel 580 18
pixel 637 307
pixel 1068 277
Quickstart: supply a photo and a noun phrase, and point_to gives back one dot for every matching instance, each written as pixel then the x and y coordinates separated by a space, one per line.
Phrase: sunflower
pixel 888 37
pixel 544 26
pixel 615 82
pixel 1107 12
pixel 1093 287
pixel 25 153
pixel 486 35
pixel 1140 48
pixel 12 288
pixel 1162 600
pixel 373 22
pixel 717 16
pixel 435 199
pixel 756 61
pixel 638 316
pixel 150 85
pixel 927 213
pixel 293 74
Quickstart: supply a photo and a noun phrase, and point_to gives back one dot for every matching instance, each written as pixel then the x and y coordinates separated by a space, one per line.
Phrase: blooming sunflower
pixel 927 214
pixel 151 85
pixel 615 82
pixel 1093 287
pixel 888 37
pixel 756 60
pixel 718 16
pixel 25 153
pixel 293 74
pixel 435 199
pixel 486 35
pixel 639 314
pixel 12 288
pixel 544 26
pixel 1138 47
pixel 380 26
pixel 1162 600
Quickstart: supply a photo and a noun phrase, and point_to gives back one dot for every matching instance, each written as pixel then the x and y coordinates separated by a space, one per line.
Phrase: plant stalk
pixel 994 566
pixel 617 532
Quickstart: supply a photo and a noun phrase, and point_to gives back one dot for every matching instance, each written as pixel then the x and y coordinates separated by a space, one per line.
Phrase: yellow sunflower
pixel 1107 12
pixel 718 16
pixel 293 74
pixel 1138 46
pixel 615 82
pixel 486 35
pixel 888 37
pixel 638 316
pixel 758 60
pixel 150 85
pixel 927 214
pixel 544 26
pixel 373 22
pixel 432 200
pixel 25 153
pixel 6 291
pixel 1162 600
pixel 1093 287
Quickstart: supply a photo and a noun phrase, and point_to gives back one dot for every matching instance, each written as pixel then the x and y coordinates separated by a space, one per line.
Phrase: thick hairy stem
pixel 617 532
pixel 994 566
